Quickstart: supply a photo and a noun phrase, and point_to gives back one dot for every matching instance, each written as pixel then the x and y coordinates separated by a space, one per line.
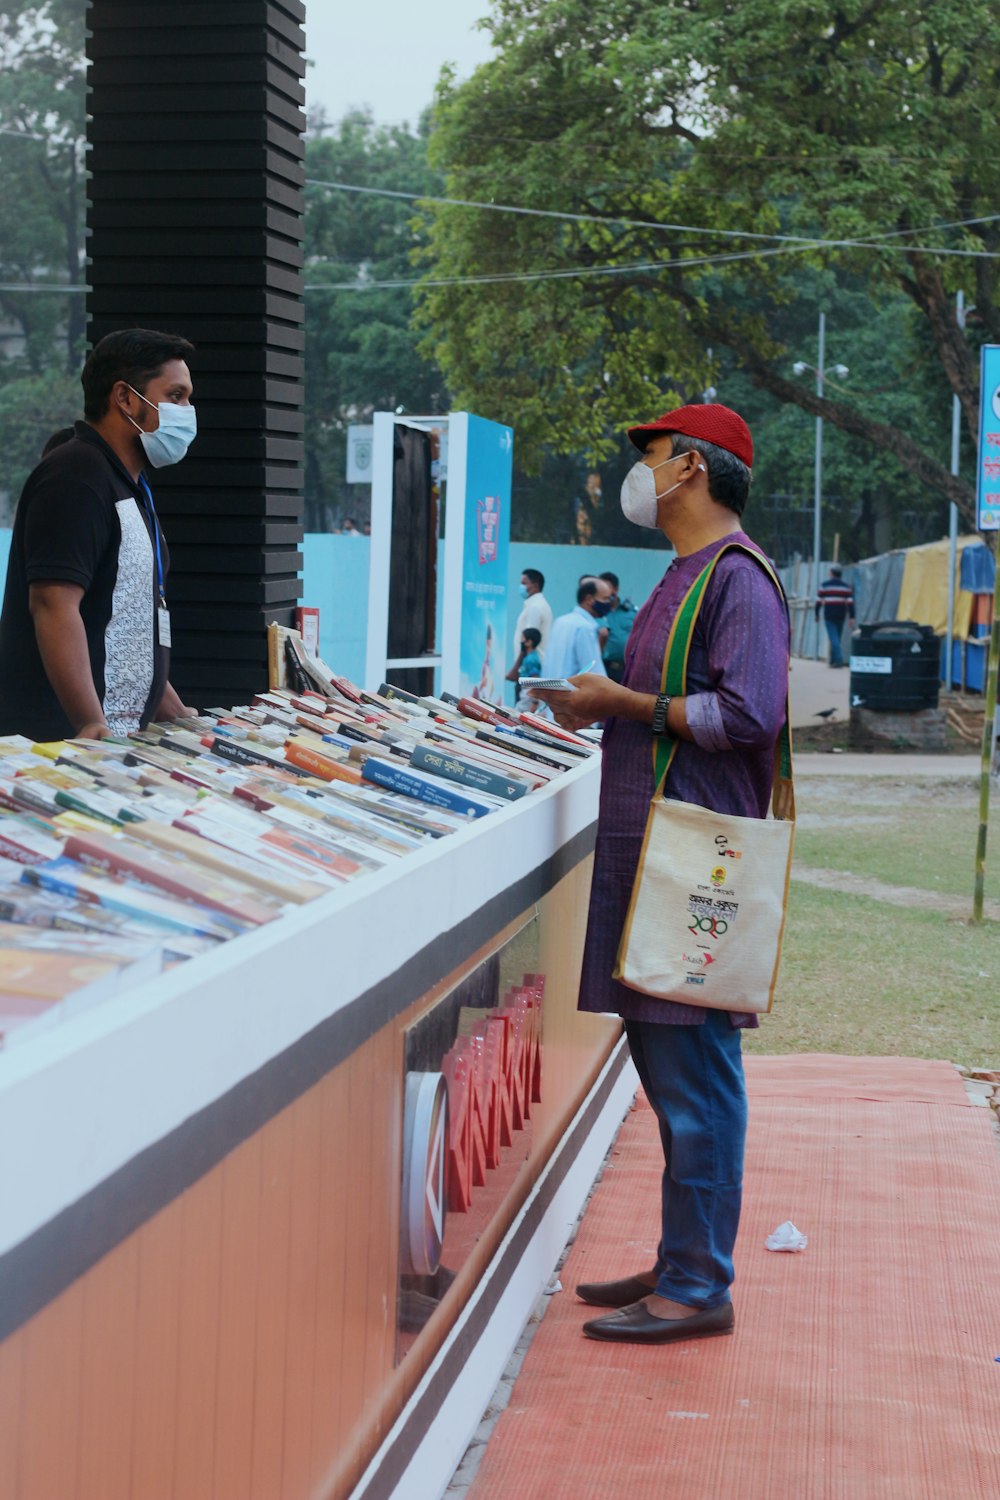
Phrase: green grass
pixel 859 976
pixel 927 841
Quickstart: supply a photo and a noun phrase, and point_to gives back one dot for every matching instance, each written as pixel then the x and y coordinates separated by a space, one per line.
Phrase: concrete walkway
pixel 815 687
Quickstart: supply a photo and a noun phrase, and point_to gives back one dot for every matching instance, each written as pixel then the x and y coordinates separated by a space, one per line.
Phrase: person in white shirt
pixel 574 645
pixel 535 612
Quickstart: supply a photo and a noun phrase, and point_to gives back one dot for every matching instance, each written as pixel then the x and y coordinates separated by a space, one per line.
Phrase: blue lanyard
pixel 151 513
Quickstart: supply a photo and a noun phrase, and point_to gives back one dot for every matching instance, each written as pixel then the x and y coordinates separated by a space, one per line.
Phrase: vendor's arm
pixel 171 706
pixel 62 645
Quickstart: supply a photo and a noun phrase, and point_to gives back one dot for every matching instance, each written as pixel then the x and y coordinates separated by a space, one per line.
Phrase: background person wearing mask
pixel 618 624
pixel 85 630
pixel 573 645
pixel 535 611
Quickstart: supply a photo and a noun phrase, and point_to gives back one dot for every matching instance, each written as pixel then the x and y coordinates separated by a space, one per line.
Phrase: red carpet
pixel 864 1366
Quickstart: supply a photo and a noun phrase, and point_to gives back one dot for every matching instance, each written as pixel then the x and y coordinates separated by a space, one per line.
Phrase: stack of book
pixel 119 858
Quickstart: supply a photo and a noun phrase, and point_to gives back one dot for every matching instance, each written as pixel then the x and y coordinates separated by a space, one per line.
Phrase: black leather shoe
pixel 636 1325
pixel 614 1293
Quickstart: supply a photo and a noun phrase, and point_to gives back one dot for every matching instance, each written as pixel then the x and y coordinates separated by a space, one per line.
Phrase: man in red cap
pixel 691 482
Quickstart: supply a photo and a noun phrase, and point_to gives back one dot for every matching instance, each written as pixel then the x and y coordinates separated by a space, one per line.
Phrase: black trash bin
pixel 895 667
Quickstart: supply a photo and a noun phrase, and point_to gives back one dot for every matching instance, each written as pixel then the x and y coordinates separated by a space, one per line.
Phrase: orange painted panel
pixel 235 1380
pixel 157 1344
pixel 337 1252
pixel 11 1395
pixel 107 1385
pixel 383 1219
pixel 50 1413
pixel 272 1307
pixel 359 1286
pixel 198 1345
pixel 303 1282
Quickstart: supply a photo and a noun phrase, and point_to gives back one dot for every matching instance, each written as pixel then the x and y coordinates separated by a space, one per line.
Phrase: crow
pixel 824 713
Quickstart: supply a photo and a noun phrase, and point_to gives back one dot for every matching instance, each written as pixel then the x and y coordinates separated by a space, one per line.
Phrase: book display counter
pixel 273 1216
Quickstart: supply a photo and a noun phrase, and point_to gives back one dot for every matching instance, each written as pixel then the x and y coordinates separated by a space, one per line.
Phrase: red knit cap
pixel 716 424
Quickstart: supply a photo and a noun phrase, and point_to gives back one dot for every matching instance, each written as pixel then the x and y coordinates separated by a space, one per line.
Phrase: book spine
pixel 323 766
pixel 395 779
pixel 462 771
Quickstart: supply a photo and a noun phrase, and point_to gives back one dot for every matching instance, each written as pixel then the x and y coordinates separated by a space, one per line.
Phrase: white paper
pixel 786 1237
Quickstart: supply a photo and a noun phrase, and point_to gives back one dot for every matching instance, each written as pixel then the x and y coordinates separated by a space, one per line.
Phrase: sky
pixel 388 53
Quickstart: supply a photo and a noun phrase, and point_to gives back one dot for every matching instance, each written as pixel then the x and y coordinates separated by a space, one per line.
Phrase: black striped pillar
pixel 195 219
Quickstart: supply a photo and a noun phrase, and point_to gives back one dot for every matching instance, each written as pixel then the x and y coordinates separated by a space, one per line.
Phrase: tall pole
pixel 989 734
pixel 818 483
pixel 956 432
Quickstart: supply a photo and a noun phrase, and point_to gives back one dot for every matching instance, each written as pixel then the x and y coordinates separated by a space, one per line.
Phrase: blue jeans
pixel 836 634
pixel 693 1078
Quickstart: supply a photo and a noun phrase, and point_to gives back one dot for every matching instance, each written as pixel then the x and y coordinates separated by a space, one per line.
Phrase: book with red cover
pixel 218 892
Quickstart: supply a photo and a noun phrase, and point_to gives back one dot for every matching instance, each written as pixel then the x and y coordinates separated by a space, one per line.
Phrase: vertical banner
pixel 489 463
pixel 988 462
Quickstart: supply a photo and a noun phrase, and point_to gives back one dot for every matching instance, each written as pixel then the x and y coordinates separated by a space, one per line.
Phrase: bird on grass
pixel 824 713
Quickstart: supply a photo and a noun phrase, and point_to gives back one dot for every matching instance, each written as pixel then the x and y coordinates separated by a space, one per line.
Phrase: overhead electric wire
pixel 802 242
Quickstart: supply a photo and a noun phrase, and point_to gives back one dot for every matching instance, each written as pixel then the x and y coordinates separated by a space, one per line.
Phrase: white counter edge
pixel 86 1095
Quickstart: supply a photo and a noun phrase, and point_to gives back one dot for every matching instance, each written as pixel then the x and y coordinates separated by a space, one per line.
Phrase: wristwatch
pixel 663 701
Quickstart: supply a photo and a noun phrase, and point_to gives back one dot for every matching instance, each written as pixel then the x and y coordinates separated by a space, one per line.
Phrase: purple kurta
pixel 737 682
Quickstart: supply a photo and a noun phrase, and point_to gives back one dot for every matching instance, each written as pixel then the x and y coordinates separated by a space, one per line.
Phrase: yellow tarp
pixel 924 593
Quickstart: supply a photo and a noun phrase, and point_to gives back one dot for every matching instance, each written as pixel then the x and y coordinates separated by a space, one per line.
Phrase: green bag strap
pixel 673 680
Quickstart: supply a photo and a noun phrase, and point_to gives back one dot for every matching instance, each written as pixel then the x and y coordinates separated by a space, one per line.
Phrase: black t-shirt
pixel 82 519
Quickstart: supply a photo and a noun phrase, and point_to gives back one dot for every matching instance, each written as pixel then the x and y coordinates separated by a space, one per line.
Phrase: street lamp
pixel 820 371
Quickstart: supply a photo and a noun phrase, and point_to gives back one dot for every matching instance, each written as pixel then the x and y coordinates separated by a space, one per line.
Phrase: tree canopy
pixel 361 352
pixel 42 122
pixel 699 151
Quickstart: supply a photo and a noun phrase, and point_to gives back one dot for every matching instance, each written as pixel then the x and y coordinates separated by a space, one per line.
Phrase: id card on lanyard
pixel 162 613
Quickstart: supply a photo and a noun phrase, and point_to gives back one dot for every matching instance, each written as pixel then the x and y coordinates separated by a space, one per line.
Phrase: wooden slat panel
pixel 303 1286
pixel 198 1353
pixel 236 1379
pixel 157 1345
pixel 272 1307
pixel 50 1423
pixel 107 1384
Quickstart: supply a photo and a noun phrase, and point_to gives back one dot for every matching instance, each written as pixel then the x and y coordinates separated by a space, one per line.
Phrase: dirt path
pixel 893 895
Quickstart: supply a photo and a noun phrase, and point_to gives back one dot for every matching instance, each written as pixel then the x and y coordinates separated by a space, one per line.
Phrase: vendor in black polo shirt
pixel 85 630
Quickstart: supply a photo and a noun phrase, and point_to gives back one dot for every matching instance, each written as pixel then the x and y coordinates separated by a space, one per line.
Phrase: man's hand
pixel 596 697
pixel 98 730
pixel 171 707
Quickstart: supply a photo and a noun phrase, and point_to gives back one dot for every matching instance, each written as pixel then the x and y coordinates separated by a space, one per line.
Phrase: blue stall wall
pixel 335 580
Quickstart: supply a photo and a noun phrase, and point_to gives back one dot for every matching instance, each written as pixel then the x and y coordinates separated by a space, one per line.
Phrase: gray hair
pixel 728 476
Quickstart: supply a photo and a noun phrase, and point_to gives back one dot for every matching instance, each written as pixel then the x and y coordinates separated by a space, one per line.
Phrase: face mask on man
pixel 525 591
pixel 600 607
pixel 639 494
pixel 171 440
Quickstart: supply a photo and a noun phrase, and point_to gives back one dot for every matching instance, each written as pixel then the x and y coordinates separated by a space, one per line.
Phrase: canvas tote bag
pixel 707 914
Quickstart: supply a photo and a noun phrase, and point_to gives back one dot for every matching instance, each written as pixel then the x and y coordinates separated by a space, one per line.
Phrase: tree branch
pixel 849 419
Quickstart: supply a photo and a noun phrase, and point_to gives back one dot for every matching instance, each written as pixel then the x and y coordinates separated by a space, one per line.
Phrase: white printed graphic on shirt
pixel 128 640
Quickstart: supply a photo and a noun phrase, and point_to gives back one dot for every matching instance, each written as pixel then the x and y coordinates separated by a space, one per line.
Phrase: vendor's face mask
pixel 639 492
pixel 170 441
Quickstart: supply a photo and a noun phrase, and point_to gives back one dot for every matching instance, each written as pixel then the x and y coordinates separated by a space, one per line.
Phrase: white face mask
pixel 639 493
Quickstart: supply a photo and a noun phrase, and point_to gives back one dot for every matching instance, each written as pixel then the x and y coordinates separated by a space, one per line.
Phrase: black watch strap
pixel 663 701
